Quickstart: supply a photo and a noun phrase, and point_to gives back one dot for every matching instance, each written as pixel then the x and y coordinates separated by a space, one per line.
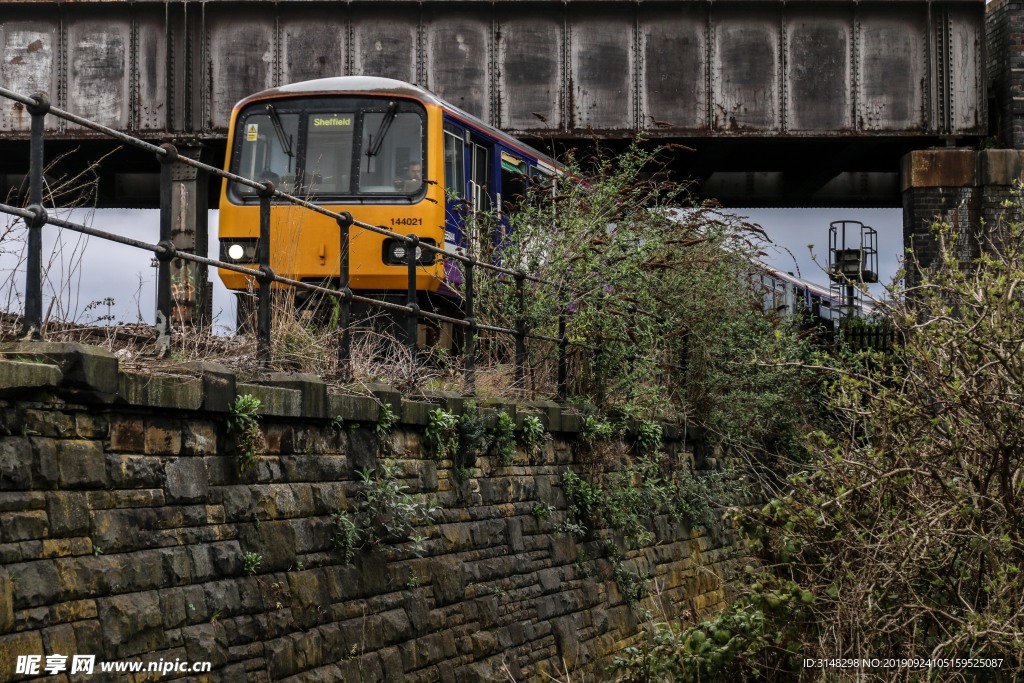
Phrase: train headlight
pixel 395 252
pixel 239 250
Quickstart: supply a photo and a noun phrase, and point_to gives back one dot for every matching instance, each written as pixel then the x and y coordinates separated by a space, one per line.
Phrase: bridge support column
pixel 967 189
pixel 190 286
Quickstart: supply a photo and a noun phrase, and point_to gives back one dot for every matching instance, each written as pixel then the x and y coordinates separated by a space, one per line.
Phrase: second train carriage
pixel 390 153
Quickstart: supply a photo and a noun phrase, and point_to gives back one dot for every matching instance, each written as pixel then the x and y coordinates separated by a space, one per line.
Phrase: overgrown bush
pixel 900 535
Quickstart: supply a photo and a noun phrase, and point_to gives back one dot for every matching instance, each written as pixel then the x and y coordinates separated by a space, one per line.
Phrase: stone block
pixel 363 446
pixel 15 463
pixel 274 541
pixel 563 549
pixel 198 438
pixel 127 434
pixel 81 463
pixel 280 654
pixel 309 596
pixel 550 414
pixel 135 471
pixel 123 530
pixel 448 581
pixel 84 368
pixel 162 437
pixel 206 643
pixel 12 501
pixel 132 624
pixel 187 480
pixel 17 645
pixel 60 639
pixel 6 602
pixel 52 423
pixel 35 583
pixel 314 402
pixel 274 401
pixel 90 426
pixel 23 526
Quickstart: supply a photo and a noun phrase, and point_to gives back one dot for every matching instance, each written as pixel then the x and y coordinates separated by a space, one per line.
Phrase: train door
pixel 454 185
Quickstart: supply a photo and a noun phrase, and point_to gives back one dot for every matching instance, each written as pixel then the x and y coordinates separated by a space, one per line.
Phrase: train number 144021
pixel 407 222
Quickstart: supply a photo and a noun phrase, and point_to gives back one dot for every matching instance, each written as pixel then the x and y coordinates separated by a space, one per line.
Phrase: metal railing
pixel 36 216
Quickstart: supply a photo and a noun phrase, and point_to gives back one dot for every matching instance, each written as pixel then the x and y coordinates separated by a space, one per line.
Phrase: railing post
pixel 521 330
pixel 412 317
pixel 164 300
pixel 33 323
pixel 469 346
pixel 563 344
pixel 345 345
pixel 263 302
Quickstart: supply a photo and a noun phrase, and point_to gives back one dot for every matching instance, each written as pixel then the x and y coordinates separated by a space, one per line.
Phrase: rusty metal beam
pixel 545 68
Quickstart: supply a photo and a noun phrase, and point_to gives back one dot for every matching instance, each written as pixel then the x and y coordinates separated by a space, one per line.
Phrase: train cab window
pixel 329 153
pixel 269 145
pixel 454 165
pixel 392 153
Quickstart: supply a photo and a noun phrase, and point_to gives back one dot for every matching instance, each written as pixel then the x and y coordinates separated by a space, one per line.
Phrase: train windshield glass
pixel 315 148
pixel 329 152
pixel 268 149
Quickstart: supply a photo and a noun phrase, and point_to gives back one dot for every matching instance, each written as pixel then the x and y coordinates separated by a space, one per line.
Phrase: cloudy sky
pixel 92 270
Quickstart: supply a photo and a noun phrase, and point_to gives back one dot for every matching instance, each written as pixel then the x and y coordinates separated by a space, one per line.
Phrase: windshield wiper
pixel 382 129
pixel 283 138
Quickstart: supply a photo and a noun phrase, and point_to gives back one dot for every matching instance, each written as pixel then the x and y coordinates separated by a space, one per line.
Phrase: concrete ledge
pixel 218 385
pixel 415 412
pixel 85 368
pixel 550 414
pixel 274 401
pixel 16 376
pixel 182 393
pixel 354 408
pixel 1000 166
pixel 313 389
pixel 939 168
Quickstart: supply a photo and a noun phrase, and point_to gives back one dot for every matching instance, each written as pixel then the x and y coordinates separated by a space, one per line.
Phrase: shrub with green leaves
pixel 532 436
pixel 503 439
pixel 244 427
pixel 441 435
pixel 383 512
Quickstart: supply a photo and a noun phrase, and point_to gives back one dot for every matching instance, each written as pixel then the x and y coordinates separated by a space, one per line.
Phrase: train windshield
pixel 331 148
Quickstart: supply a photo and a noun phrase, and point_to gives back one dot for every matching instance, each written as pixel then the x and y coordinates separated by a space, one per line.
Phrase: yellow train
pixel 390 153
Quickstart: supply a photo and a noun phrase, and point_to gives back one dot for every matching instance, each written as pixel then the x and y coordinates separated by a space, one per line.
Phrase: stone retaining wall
pixel 125 525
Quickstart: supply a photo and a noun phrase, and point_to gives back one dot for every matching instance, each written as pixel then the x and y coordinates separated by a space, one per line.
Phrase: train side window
pixel 513 183
pixel 454 165
pixel 481 178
